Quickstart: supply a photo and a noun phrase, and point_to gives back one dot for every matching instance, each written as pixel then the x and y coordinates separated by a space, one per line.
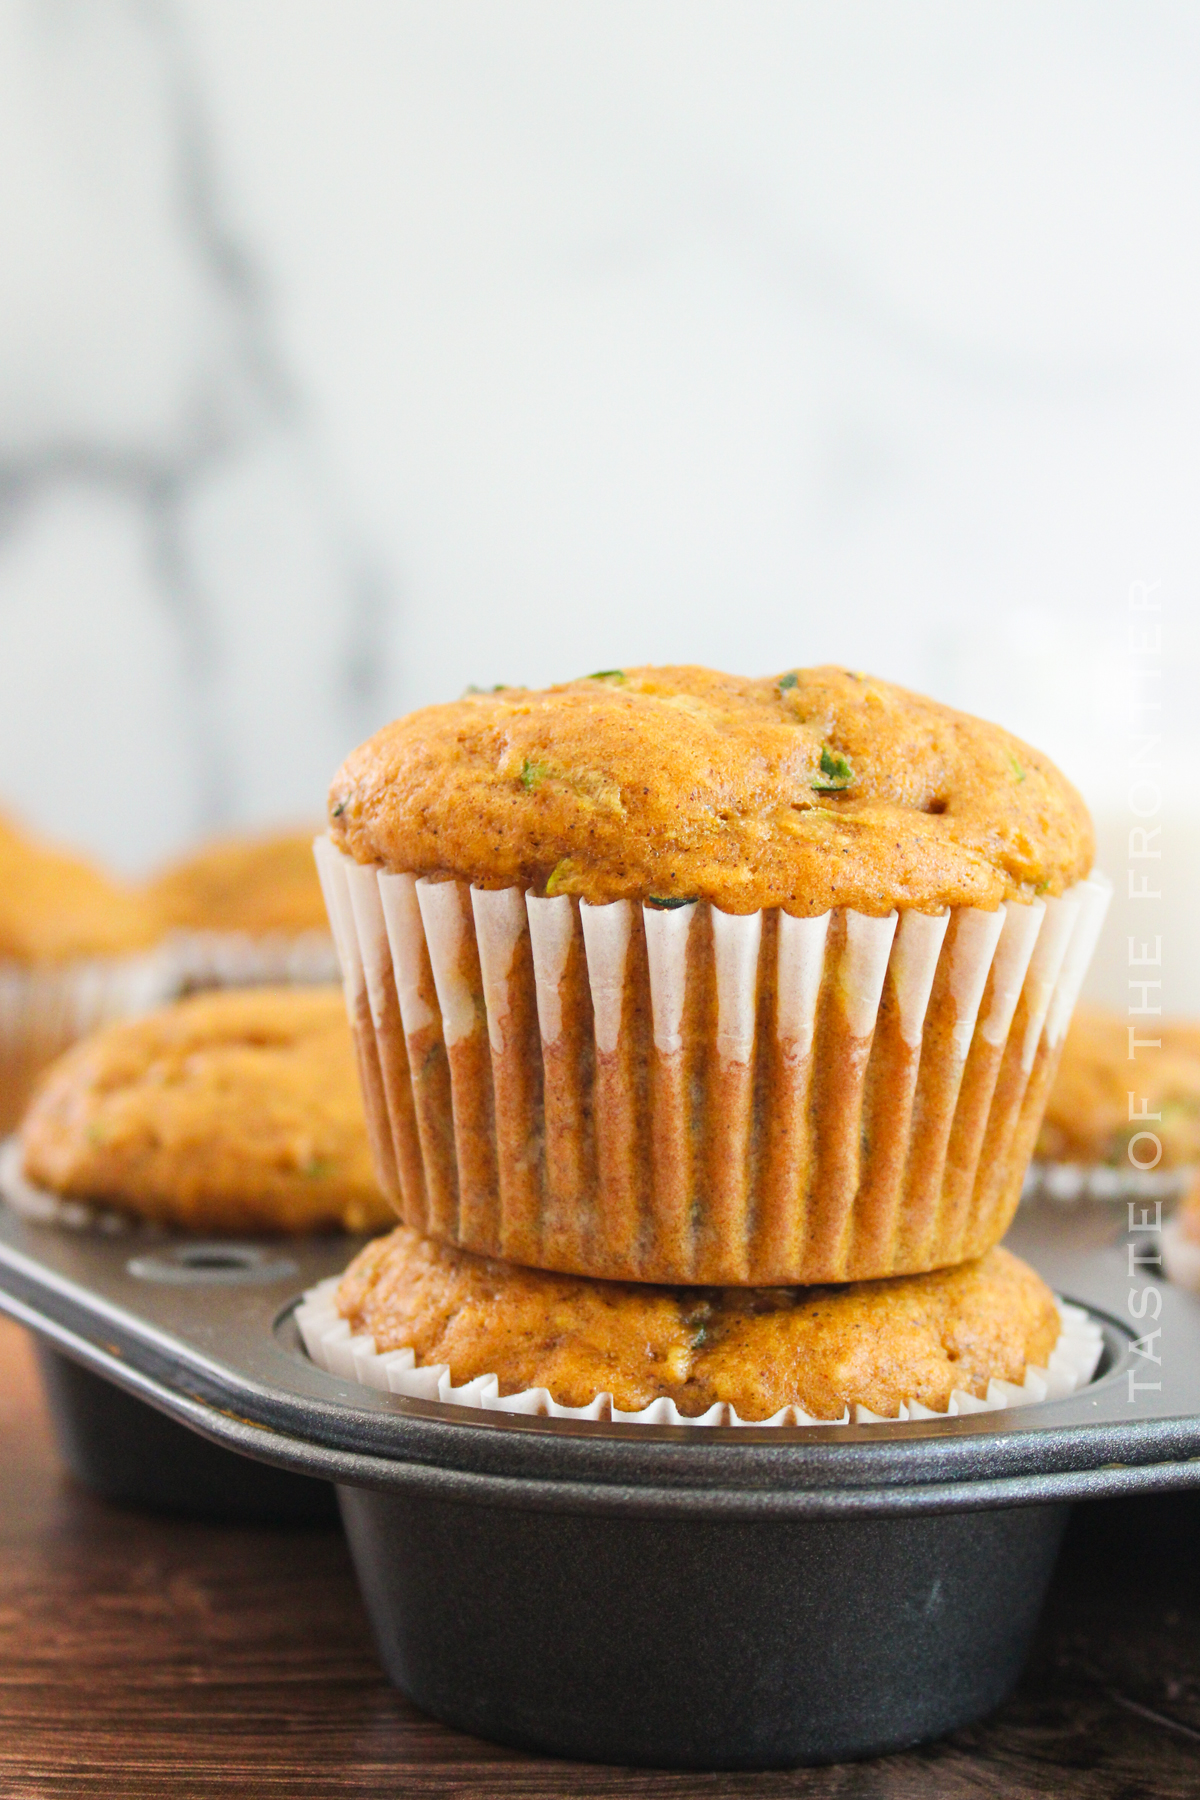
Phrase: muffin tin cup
pixel 700 1642
pixel 45 1008
pixel 647 1593
pixel 114 1444
pixel 125 1451
pixel 688 1096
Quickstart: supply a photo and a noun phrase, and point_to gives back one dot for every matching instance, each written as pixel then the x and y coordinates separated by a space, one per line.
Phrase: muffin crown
pixel 817 788
pixel 56 907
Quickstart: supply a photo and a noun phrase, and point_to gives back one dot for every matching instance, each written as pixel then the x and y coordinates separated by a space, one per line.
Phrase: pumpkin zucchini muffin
pixel 244 911
pixel 875 1344
pixel 75 950
pixel 1087 1116
pixel 252 884
pixel 232 1112
pixel 666 975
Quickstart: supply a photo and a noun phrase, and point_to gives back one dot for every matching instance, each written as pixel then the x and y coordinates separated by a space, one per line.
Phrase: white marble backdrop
pixel 352 350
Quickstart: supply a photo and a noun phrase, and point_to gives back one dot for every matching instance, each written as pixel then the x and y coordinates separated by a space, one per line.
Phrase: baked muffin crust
pixel 869 1343
pixel 818 788
pixel 232 1111
pixel 55 907
pixel 252 884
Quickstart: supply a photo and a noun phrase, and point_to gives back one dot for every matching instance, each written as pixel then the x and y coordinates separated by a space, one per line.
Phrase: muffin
pixel 233 1112
pixel 910 1341
pixel 75 950
pixel 672 976
pixel 1087 1115
pixel 243 911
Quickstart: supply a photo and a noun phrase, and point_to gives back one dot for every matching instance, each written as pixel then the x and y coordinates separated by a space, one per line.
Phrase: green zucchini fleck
pixel 339 809
pixel 789 680
pixel 531 774
pixel 1017 770
pixel 669 902
pixel 837 769
pixel 317 1167
pixel 616 676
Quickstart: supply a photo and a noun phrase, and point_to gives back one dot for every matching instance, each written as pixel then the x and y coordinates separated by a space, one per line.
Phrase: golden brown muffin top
pixel 871 1343
pixel 55 906
pixel 254 884
pixel 232 1111
pixel 1087 1116
pixel 816 788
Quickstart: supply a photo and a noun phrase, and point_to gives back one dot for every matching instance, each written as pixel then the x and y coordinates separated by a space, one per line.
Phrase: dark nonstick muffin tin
pixel 663 1595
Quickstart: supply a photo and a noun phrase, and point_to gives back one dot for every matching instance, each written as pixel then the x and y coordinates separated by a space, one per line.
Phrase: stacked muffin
pixel 736 1004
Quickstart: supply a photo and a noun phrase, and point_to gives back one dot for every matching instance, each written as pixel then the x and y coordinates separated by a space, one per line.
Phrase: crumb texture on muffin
pixel 56 907
pixel 818 788
pixel 232 1111
pixel 252 884
pixel 873 1344
pixel 1087 1116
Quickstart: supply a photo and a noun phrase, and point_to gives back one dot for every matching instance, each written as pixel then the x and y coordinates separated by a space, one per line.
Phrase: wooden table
pixel 144 1656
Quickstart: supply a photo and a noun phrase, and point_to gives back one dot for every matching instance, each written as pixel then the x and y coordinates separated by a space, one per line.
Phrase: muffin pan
pixel 736 1597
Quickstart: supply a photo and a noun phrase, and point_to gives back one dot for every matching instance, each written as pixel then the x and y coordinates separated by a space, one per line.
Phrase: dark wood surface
pixel 147 1656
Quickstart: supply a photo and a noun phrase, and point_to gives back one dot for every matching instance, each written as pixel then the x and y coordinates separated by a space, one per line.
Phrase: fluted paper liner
pixel 690 1096
pixel 199 960
pixel 1070 1182
pixel 329 1342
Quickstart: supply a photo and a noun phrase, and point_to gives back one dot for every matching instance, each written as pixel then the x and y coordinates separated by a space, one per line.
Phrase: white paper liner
pixel 219 959
pixel 328 1341
pixel 437 966
pixel 1070 1182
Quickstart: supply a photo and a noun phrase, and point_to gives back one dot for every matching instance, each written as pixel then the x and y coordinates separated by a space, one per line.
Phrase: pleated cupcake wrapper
pixel 231 959
pixel 330 1344
pixel 688 1095
pixel 44 1009
pixel 1069 1182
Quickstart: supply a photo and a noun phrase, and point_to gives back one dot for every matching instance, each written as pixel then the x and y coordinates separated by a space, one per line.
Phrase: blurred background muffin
pixel 228 1112
pixel 77 948
pixel 1091 1121
pixel 244 910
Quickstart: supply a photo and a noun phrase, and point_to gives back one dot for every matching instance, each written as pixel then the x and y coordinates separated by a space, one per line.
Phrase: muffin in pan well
pixel 244 911
pixel 825 1349
pixel 76 949
pixel 666 975
pixel 236 1111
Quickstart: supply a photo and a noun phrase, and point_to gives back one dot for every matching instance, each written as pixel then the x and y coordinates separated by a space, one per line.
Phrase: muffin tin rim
pixel 1055 1449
